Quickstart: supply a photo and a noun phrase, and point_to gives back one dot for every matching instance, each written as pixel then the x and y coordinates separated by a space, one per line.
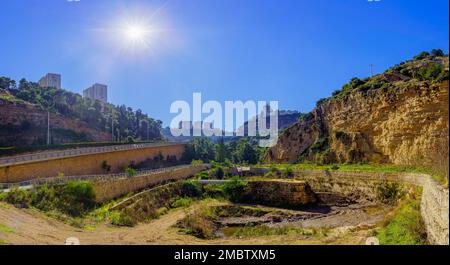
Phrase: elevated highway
pixel 82 161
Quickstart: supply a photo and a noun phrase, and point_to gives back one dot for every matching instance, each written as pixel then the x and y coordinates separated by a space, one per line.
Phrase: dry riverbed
pixel 332 225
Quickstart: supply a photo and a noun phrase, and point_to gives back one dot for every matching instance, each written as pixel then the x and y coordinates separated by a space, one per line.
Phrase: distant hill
pixel 285 119
pixel 23 117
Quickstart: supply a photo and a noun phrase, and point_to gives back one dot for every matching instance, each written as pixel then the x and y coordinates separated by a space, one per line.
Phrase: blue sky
pixel 293 51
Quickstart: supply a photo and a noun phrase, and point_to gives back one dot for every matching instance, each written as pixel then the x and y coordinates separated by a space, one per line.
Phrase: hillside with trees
pixel 77 119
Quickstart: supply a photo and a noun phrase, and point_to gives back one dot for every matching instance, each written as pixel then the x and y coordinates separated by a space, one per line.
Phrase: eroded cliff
pixel 400 116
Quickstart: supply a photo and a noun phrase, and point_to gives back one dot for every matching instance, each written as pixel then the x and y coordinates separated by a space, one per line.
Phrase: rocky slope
pixel 398 117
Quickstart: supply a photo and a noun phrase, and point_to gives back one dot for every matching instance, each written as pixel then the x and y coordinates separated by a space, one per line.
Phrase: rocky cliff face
pixel 23 124
pixel 396 117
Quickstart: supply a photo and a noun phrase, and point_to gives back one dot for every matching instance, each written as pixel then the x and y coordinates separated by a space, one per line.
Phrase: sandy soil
pixel 30 227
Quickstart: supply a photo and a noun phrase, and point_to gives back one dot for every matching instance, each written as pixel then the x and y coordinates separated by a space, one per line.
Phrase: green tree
pixel 199 149
pixel 422 56
pixel 437 53
pixel 221 151
pixel 245 153
pixel 7 83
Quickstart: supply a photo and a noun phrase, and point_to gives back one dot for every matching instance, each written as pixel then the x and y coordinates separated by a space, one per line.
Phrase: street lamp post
pixel 48 127
pixel 148 128
pixel 112 126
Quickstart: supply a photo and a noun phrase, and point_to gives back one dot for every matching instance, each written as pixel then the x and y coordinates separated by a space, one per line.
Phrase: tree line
pixel 237 151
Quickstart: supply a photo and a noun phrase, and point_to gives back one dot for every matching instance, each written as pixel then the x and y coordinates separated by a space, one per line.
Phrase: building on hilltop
pixel 51 80
pixel 97 92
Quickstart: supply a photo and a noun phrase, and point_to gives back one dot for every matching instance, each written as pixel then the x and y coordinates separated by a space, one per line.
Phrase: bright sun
pixel 135 33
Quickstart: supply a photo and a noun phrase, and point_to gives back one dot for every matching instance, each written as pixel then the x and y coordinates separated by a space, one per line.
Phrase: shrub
pixel 335 167
pixel 191 188
pixel 406 72
pixel 77 197
pixel 105 167
pixel 158 158
pixel 121 219
pixel 321 101
pixel 288 172
pixel 181 202
pixel 421 56
pixel 202 175
pixel 227 163
pixel 73 198
pixel 320 144
pixel 336 93
pixel 437 53
pixel 234 188
pixel 197 162
pixel 431 72
pixel 213 191
pixel 130 172
pixel 46 198
pixel 273 172
pixel 220 173
pixel 389 192
pixel 19 197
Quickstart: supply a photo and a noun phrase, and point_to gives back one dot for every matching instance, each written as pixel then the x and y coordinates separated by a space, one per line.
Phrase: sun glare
pixel 136 36
pixel 135 33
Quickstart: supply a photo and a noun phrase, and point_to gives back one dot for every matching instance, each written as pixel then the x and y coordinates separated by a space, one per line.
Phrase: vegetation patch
pixel 74 198
pixel 264 230
pixel 234 188
pixel 357 167
pixel 181 202
pixel 406 226
pixel 389 192
pixel 6 229
pixel 200 222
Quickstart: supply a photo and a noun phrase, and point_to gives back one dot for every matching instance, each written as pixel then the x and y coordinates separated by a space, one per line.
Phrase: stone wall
pixel 363 185
pixel 85 164
pixel 435 212
pixel 109 189
pixel 279 193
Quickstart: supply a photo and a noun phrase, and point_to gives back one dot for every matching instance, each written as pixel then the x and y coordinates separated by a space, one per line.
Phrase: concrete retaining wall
pixel 85 164
pixel 110 189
